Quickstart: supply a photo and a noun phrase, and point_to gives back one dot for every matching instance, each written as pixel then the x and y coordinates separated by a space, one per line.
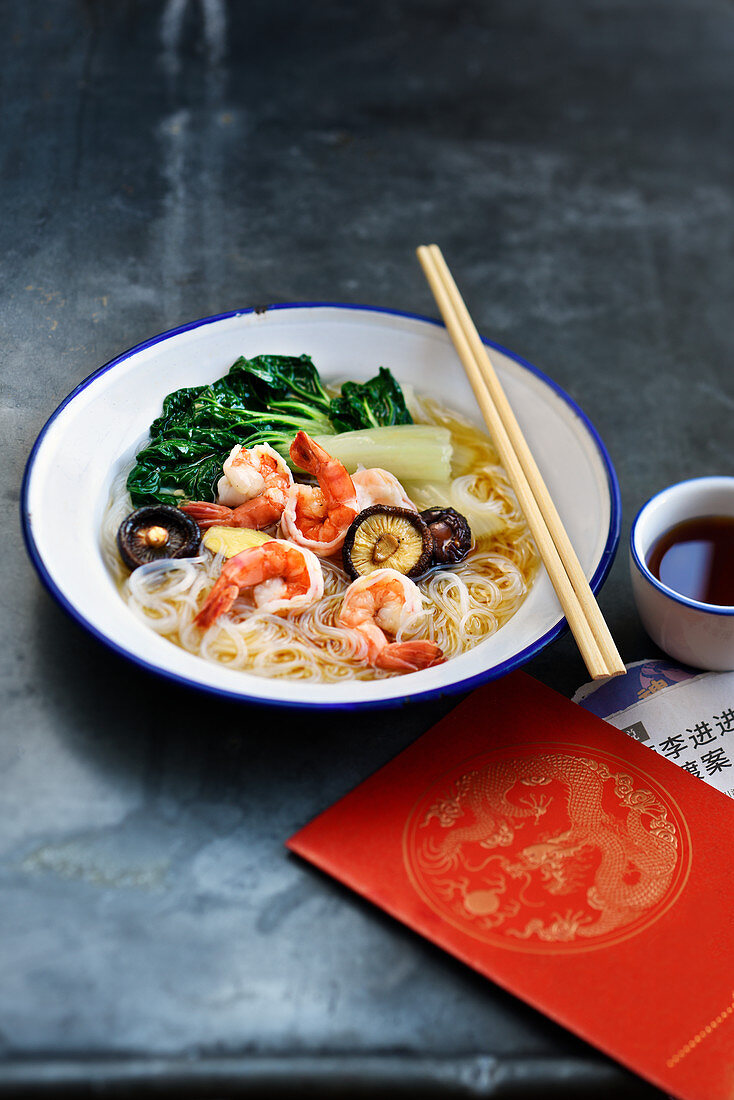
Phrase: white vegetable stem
pixel 408 451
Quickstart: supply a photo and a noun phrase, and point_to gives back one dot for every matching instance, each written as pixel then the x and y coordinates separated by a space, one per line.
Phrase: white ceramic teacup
pixel 698 634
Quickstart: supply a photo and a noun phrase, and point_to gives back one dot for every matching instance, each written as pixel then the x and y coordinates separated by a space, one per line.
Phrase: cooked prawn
pixel 318 518
pixel 252 490
pixel 282 577
pixel 379 604
pixel 376 486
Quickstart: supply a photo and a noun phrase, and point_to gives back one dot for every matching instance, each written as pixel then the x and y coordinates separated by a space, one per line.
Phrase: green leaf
pixel 282 377
pixel 373 404
pixel 176 408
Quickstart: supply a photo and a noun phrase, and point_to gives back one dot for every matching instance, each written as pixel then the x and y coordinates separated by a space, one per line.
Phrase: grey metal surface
pixel 167 160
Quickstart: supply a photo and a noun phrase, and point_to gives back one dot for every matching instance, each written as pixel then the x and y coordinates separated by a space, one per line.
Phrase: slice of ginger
pixel 233 540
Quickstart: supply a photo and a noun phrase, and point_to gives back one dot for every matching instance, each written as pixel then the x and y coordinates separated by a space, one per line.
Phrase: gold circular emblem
pixel 547 848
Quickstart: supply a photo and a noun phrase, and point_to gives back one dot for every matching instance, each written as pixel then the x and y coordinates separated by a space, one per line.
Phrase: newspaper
pixel 681 714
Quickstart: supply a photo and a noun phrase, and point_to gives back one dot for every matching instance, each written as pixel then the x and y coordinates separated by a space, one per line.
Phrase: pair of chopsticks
pixel 576 598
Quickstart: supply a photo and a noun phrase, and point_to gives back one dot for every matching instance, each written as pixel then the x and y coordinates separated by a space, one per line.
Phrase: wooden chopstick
pixel 553 521
pixel 564 569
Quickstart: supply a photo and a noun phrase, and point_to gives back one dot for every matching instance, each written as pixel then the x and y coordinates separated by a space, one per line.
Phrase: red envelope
pixel 568 863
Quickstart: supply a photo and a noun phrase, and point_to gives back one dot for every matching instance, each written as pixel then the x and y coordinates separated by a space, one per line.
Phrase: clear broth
pixel 696 559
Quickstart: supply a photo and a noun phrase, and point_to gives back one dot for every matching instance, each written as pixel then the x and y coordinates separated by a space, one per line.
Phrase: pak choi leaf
pixel 374 404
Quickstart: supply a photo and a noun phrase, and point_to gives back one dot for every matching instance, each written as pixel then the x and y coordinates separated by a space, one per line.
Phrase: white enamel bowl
pixel 96 431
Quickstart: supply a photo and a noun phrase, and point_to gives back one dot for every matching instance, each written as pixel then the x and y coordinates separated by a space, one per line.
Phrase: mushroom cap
pixel 157 531
pixel 386 537
pixel 451 534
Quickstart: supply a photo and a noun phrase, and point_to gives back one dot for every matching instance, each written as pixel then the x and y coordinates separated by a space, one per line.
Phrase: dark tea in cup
pixel 696 559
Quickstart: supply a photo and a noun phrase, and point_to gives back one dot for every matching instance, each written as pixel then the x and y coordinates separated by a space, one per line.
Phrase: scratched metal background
pixel 167 160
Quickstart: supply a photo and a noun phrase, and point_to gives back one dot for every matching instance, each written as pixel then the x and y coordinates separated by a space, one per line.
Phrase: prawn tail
pixel 219 600
pixel 209 515
pixel 307 454
pixel 410 656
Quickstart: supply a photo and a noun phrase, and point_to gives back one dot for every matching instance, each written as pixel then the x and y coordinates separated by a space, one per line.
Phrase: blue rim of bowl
pixel 493 673
pixel 696 605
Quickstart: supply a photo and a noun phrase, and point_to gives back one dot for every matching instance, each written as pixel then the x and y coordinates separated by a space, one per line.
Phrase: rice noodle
pixel 462 605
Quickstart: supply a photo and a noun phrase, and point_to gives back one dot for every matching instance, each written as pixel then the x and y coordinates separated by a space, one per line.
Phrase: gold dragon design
pixel 629 854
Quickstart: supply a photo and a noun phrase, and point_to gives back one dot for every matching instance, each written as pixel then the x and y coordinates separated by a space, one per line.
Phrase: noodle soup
pixel 461 605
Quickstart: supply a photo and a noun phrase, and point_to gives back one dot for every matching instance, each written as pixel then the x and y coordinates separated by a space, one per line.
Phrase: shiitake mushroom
pixel 451 533
pixel 157 531
pixel 385 537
